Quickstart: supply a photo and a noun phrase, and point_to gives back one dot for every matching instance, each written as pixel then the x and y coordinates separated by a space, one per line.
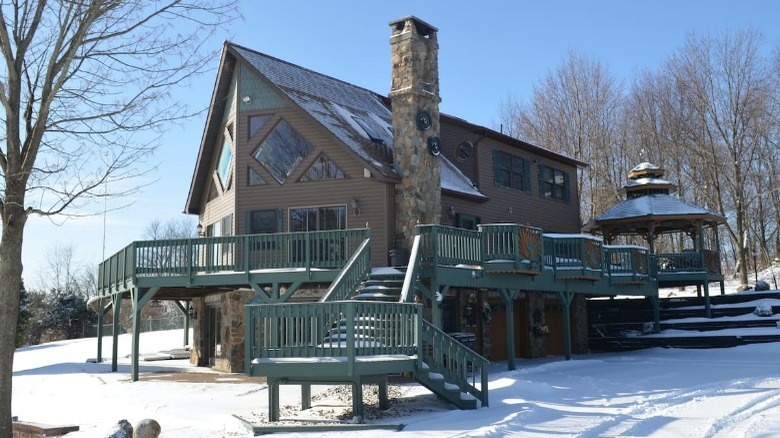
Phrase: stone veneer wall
pixel 414 87
pixel 232 327
pixel 231 358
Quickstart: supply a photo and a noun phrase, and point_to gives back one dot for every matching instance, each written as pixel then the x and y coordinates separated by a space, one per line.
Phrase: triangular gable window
pixel 322 169
pixel 282 150
pixel 255 179
pixel 256 123
pixel 212 191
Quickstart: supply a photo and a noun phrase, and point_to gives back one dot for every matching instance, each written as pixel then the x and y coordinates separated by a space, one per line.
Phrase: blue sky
pixel 487 51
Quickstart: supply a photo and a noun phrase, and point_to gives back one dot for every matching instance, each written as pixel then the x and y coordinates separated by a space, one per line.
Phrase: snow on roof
pixel 653 205
pixel 454 180
pixel 335 104
pixel 645 166
pixel 647 181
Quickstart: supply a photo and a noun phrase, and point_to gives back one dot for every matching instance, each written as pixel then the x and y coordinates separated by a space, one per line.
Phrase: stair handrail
pixel 412 271
pixel 447 356
pixel 356 269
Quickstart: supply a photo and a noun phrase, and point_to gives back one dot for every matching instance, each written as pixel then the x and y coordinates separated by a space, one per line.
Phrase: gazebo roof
pixel 666 212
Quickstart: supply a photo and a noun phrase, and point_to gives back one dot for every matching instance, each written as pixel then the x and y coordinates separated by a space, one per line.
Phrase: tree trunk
pixel 14 218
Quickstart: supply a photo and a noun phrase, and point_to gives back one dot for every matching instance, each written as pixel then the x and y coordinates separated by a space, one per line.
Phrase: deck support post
pixel 140 298
pixel 656 313
pixel 722 288
pixel 273 400
pixel 383 399
pixel 305 396
pixel 117 304
pixel 101 314
pixel 566 297
pixel 509 298
pixel 707 306
pixel 357 400
pixel 186 337
pixel 136 337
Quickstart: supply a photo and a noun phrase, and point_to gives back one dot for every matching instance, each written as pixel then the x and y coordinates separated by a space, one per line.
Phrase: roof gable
pixel 359 118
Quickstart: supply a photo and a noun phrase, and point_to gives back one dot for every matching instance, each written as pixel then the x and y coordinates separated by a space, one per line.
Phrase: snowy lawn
pixel 651 393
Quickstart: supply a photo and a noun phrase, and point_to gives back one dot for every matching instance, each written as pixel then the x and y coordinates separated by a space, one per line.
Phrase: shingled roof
pixel 336 105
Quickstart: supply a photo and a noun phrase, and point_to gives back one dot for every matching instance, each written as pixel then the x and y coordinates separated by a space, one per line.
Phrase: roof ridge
pixel 239 46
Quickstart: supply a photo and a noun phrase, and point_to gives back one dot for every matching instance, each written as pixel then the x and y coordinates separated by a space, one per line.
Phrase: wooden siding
pixel 527 208
pixel 371 194
pixel 223 203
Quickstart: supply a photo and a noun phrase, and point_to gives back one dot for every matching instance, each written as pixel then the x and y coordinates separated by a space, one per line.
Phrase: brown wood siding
pixel 223 204
pixel 506 204
pixel 371 195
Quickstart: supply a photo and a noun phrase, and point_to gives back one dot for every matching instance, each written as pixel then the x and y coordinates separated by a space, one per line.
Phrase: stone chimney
pixel 414 93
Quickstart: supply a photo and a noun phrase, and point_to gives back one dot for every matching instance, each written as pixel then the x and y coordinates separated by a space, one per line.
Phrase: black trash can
pixel 465 338
pixel 398 257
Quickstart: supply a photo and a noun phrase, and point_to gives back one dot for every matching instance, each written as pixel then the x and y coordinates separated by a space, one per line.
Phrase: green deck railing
pixel 245 253
pixel 572 253
pixel 456 362
pixel 626 262
pixel 449 246
pixel 518 244
pixel 358 266
pixel 687 261
pixel 333 329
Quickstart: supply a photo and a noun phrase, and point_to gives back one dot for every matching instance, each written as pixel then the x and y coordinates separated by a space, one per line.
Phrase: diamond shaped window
pixel 282 150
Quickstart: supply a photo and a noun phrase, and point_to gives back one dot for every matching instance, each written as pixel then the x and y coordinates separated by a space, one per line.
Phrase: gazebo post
pixel 717 242
pixel 700 231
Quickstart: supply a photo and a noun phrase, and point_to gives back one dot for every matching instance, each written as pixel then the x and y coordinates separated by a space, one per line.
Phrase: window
pixel 553 183
pixel 318 218
pixel 254 178
pixel 223 166
pixel 324 250
pixel 511 171
pixel 256 123
pixel 264 221
pixel 282 150
pixel 463 150
pixel 323 168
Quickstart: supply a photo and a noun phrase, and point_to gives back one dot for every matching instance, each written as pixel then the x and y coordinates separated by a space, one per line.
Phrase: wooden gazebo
pixel 649 211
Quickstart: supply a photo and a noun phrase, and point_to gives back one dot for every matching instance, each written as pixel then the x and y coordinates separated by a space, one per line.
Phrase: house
pixel 319 201
pixel 287 149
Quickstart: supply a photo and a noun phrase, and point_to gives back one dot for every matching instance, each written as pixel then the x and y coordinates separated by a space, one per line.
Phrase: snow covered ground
pixel 652 393
pixel 733 392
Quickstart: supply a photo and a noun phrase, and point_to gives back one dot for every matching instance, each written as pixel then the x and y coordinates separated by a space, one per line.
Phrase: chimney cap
pixel 423 28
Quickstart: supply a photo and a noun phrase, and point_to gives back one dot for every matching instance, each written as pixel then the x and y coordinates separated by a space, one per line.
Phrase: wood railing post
pixel 350 321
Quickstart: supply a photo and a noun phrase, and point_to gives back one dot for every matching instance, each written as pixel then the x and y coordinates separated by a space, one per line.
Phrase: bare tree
pixel 576 110
pixel 80 80
pixel 727 89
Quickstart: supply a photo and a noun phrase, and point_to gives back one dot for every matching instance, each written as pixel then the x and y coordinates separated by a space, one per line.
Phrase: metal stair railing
pixel 447 356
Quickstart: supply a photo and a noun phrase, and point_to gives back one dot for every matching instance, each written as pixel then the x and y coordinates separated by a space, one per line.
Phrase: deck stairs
pixel 385 284
pixel 624 324
pixel 382 284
